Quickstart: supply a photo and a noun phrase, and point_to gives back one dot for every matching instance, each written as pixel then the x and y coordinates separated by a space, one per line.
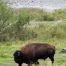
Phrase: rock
pixel 63 50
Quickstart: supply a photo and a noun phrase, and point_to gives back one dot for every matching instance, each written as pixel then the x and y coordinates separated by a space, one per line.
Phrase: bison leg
pixel 36 62
pixel 52 59
pixel 30 64
pixel 20 64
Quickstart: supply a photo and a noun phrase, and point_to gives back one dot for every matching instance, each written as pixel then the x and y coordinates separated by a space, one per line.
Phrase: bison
pixel 30 53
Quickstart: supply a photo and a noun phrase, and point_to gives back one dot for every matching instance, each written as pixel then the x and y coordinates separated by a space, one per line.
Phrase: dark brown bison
pixel 34 51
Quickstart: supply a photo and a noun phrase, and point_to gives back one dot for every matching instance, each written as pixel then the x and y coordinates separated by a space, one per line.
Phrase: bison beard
pixel 34 51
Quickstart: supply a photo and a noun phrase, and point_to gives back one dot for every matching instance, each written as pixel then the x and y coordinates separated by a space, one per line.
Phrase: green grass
pixel 7 49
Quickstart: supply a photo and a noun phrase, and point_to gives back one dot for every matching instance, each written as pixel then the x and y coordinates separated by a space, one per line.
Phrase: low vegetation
pixel 12 21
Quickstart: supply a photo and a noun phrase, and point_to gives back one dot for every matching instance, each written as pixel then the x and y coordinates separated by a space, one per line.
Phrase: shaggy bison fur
pixel 32 52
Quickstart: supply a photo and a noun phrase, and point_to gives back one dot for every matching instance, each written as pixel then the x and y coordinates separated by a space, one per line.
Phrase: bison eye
pixel 19 54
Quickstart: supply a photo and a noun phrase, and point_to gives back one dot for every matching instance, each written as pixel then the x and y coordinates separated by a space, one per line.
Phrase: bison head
pixel 18 55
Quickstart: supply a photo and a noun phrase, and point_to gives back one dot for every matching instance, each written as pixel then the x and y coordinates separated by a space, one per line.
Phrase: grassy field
pixel 7 48
pixel 6 53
